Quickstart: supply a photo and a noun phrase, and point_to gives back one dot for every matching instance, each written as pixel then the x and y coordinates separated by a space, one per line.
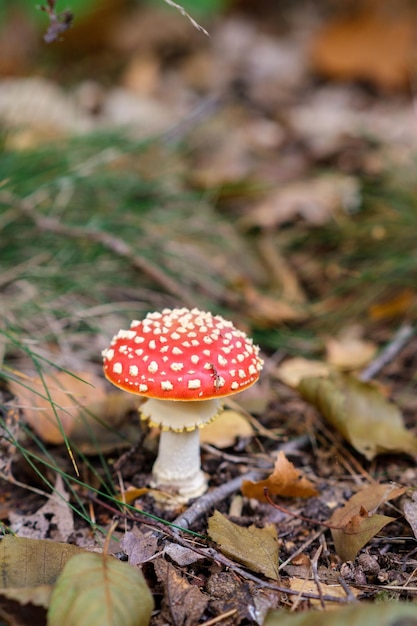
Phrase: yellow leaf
pixel 256 548
pixel 360 413
pixel 224 431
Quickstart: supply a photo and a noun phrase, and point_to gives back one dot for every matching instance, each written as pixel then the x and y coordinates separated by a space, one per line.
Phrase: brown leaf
pixel 315 201
pixel 409 505
pixel 375 44
pixel 75 405
pixel 286 480
pixel 53 520
pixel 183 603
pixel 257 548
pixel 369 422
pixel 356 522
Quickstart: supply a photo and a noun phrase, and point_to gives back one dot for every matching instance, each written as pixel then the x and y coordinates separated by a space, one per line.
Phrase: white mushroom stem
pixel 178 462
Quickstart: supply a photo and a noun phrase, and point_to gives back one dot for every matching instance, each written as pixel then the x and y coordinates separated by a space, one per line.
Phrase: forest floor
pixel 265 173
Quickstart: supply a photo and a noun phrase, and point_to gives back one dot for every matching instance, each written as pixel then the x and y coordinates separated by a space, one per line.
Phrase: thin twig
pixel 350 596
pixel 210 499
pixel 314 569
pixel 388 354
pixel 208 552
pixel 110 242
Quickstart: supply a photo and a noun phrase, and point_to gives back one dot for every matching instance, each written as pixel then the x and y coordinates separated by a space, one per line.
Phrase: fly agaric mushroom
pixel 185 362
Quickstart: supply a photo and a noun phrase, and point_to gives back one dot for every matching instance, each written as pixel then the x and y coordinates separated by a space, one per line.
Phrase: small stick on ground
pixel 210 499
pixel 388 354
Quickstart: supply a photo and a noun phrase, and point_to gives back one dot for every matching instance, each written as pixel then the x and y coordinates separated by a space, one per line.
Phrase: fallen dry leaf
pixel 356 523
pixel 376 44
pixel 315 201
pixel 224 430
pixel 409 506
pixel 309 586
pixel 396 306
pixel 348 351
pixel 31 566
pixel 183 603
pixel 286 480
pixel 54 520
pixel 369 422
pixel 292 371
pixel 76 405
pixel 256 548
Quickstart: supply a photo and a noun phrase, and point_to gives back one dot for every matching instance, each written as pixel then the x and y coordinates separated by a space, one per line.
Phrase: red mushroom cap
pixel 182 354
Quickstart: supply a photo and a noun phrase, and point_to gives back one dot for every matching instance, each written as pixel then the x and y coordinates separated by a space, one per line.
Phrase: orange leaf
pixel 286 480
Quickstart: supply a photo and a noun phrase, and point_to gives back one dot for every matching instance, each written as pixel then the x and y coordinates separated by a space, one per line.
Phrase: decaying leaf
pixel 256 548
pixel 183 603
pixel 74 405
pixel 99 589
pixel 292 371
pixel 139 546
pixel 370 423
pixel 54 519
pixel 356 522
pixel 224 430
pixel 30 567
pixel 286 480
pixel 378 614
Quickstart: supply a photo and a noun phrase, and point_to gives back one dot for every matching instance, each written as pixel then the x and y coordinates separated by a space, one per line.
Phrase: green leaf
pixel 98 590
pixel 383 614
pixel 358 410
pixel 257 548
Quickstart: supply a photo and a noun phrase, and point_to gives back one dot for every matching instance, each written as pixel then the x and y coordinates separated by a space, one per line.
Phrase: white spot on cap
pixel 176 367
pixel 221 360
pixel 252 369
pixel 240 358
pixel 133 370
pixel 242 374
pixel 195 359
pixel 108 354
pixel 207 352
pixel 152 344
pixel 175 336
pixel 207 339
pixel 194 384
pixel 166 385
pixel 117 368
pixel 139 352
pixel 139 339
pixel 153 367
pixel 234 385
pixel 176 350
pixel 126 334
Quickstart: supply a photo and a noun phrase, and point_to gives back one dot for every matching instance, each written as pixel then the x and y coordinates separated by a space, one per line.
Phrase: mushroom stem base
pixel 178 464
